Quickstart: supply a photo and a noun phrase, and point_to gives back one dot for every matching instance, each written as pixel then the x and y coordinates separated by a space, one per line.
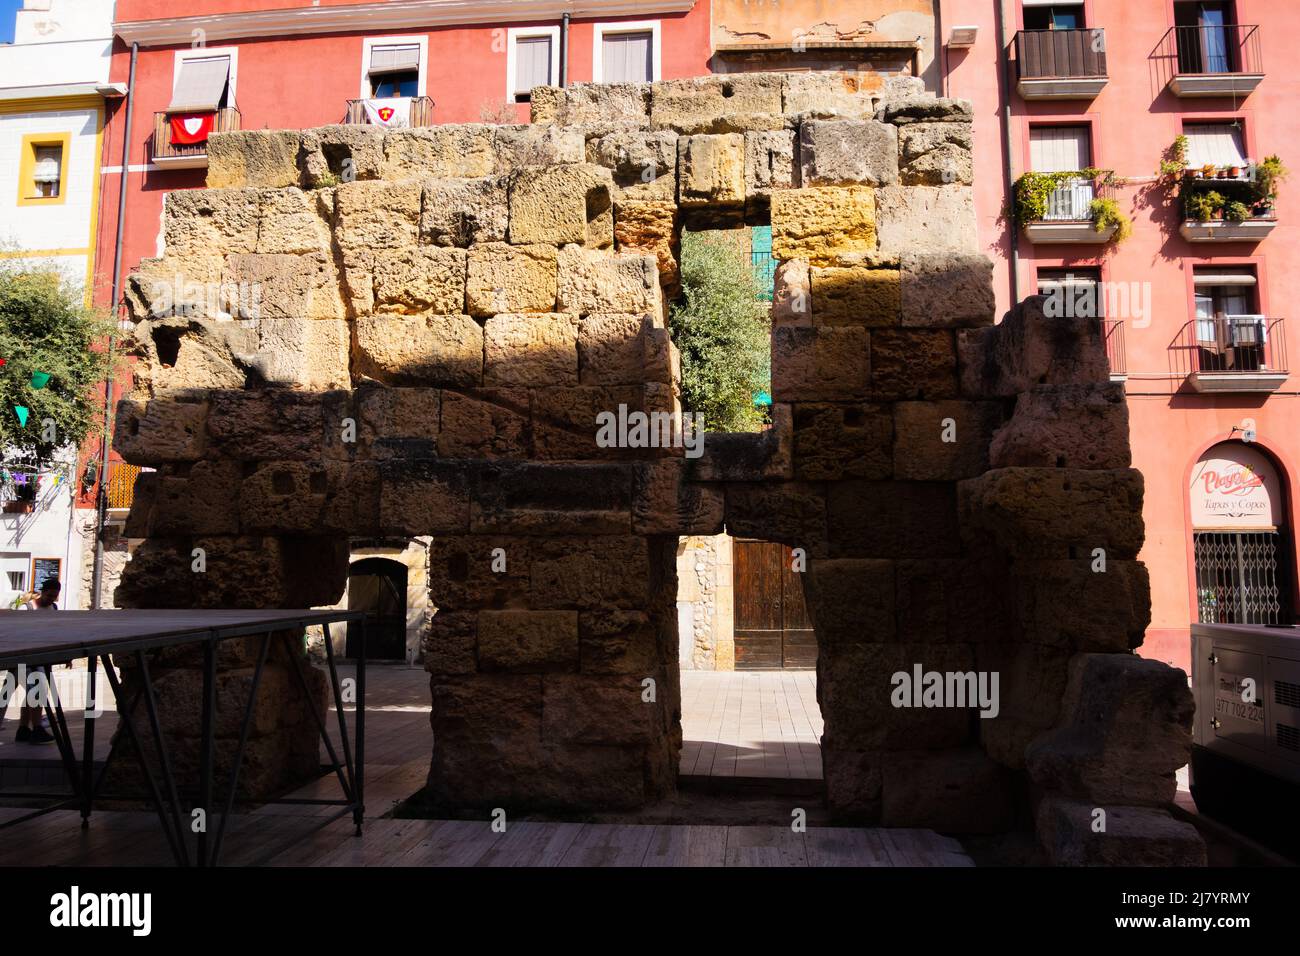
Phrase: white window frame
pixel 514 34
pixel 629 26
pixel 369 43
pixel 209 53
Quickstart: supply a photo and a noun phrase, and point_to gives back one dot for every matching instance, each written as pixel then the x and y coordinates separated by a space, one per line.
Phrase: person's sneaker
pixel 40 736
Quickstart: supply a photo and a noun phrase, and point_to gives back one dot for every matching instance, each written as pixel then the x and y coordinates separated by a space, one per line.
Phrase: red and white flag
pixel 392 111
pixel 191 128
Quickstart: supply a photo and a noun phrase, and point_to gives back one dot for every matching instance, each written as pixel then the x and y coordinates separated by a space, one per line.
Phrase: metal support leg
pixel 206 754
pixel 59 727
pixel 164 758
pixel 239 753
pixel 360 781
pixel 90 704
pixel 345 781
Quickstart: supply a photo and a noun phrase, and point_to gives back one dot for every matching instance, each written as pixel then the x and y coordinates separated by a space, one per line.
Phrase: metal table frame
pixel 164 794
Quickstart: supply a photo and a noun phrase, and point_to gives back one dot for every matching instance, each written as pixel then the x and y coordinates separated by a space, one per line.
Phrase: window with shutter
pixel 1216 144
pixel 395 70
pixel 627 57
pixel 202 84
pixel 532 65
pixel 47 171
pixel 43 169
pixel 1059 149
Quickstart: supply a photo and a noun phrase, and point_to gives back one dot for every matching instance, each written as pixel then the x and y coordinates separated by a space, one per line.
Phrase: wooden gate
pixel 773 630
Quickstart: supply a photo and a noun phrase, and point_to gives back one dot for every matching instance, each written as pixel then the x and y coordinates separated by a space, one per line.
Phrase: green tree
pixel 46 328
pixel 722 329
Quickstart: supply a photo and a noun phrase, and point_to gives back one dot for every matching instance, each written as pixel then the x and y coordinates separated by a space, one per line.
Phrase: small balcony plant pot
pixel 1198 174
pixel 1236 172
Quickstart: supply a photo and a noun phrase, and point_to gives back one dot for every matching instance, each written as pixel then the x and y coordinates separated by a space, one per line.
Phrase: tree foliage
pixel 45 327
pixel 722 328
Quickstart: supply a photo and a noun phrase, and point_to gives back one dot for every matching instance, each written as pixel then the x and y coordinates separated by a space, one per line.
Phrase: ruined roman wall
pixel 411 333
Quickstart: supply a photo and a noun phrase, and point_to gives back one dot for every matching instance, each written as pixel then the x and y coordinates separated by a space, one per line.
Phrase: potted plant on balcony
pixel 24 490
pixel 1269 172
pixel 1236 212
pixel 1204 206
pixel 1106 213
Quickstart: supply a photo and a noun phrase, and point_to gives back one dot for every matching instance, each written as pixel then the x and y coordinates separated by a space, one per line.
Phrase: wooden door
pixel 772 627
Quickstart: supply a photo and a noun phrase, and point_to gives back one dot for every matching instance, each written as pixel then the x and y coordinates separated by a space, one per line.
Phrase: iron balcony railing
pixel 227 121
pixel 1061 54
pixel 1211 50
pixel 1116 352
pixel 1231 344
pixel 421 112
pixel 1072 200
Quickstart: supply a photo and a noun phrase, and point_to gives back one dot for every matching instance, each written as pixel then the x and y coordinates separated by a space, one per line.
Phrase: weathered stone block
pixel 420 349
pixel 856 683
pixel 562 204
pixel 1134 836
pixel 853 784
pixel 485 423
pixel 821 223
pixel 529 145
pixel 266 426
pixel 904 111
pixel 855 296
pixel 616 350
pixel 649 228
pixel 935 154
pixel 832 93
pixel 1031 683
pixel 842 441
pixel 847 153
pixel 438 152
pixel 449 641
pixel 596 710
pixel 792 293
pixel 592 572
pixel 278 287
pixel 552 498
pixel 473 572
pixel 926 218
pixel 644 162
pixel 589 280
pixel 462 212
pixel 198 221
pixel 850 601
pixel 568 423
pixel 953 791
pixel 341 153
pixel 704 104
pixel 621 642
pixel 665 502
pixel 769 164
pixel 1125 729
pixel 1066 426
pixel 605 102
pixel 398 422
pixel 908 364
pixel 423 497
pixel 531 349
pixel 253 157
pixel 943 441
pixel 1071 604
pixel 377 215
pixel 952 600
pixel 747 456
pixel 424 279
pixel 892 519
pixel 160 430
pixel 711 170
pixel 820 364
pixel 205 500
pixel 793 513
pixel 528 641
pixel 503 278
pixel 946 289
pixel 293 222
pixel 1054 512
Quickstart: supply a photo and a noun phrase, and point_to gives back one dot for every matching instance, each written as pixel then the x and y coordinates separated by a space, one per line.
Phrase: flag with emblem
pixel 392 111
pixel 191 128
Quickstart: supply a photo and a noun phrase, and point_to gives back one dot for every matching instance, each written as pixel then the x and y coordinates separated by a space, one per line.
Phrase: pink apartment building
pixel 1194 301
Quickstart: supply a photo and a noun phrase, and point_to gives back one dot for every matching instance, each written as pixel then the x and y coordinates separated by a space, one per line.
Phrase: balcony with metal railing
pixel 121 485
pixel 1211 60
pixel 1116 350
pixel 420 112
pixel 171 155
pixel 1069 216
pixel 1231 353
pixel 1061 64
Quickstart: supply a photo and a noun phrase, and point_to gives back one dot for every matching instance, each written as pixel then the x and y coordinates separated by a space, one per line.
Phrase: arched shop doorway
pixel 378 586
pixel 1241 538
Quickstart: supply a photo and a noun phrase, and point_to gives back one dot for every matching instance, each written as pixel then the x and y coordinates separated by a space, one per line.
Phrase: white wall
pixel 42 534
pixel 44 20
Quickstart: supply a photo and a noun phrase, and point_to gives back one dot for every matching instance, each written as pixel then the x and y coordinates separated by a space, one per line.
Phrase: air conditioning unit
pixel 1246 737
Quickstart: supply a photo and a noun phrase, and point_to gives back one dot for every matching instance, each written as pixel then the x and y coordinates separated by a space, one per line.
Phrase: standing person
pixel 31 726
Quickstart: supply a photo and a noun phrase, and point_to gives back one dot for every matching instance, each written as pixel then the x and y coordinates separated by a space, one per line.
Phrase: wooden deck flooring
pixel 398 743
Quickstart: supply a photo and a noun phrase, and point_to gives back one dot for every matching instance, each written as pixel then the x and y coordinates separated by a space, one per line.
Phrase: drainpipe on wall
pixel 940 48
pixel 564 49
pixel 101 500
pixel 1004 92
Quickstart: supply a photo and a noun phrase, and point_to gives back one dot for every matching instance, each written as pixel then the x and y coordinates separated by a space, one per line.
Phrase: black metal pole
pixel 205 757
pixel 359 814
pixel 88 741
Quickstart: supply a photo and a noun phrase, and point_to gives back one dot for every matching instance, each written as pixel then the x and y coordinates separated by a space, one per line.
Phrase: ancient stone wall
pixel 413 333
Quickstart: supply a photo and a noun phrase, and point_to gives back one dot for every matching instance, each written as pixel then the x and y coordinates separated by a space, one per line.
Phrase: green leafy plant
pixel 1173 167
pixel 45 327
pixel 1033 191
pixel 1236 212
pixel 1106 213
pixel 722 329
pixel 1269 172
pixel 1202 206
